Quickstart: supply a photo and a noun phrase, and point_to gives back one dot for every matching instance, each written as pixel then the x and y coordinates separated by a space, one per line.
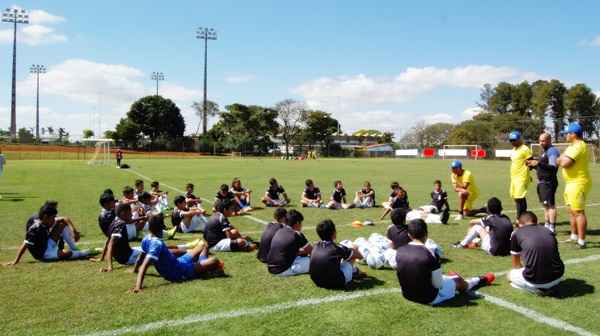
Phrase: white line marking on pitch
pixel 198 318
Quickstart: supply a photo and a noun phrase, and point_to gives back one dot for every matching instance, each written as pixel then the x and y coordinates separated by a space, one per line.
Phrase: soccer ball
pixel 376 260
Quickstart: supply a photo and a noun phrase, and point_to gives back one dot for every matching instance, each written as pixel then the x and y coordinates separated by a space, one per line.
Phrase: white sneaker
pixel 458 217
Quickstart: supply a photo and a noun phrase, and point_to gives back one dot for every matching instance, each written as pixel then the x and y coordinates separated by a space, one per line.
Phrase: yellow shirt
pixel 466 177
pixel 519 172
pixel 579 171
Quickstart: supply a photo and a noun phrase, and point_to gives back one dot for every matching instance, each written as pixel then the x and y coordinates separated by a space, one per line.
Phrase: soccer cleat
pixel 458 245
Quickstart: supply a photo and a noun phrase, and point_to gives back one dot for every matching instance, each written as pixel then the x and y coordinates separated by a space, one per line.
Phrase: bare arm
pixel 20 253
pixel 516 261
pixel 565 161
pixel 108 256
pixel 139 283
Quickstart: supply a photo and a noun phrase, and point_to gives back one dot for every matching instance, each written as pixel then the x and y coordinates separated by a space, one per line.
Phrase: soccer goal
pixel 537 150
pixel 460 151
pixel 101 154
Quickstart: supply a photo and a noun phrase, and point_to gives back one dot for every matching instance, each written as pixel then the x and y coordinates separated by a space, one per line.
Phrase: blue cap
pixel 456 164
pixel 574 127
pixel 514 136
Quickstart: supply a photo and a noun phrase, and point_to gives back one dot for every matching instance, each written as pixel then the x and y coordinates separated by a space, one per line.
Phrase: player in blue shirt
pixel 192 265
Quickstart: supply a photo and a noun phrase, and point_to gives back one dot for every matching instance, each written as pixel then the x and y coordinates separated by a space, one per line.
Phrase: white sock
pixel 472 234
pixel 472 282
pixel 79 254
pixel 573 236
pixel 67 236
pixel 581 242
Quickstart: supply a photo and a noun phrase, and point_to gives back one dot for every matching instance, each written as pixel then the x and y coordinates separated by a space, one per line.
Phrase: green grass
pixel 74 297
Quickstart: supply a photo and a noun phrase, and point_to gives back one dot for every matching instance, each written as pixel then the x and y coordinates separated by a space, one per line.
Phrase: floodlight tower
pixel 205 34
pixel 14 16
pixel 158 76
pixel 37 69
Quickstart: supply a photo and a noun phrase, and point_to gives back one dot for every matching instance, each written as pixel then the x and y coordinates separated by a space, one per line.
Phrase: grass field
pixel 75 298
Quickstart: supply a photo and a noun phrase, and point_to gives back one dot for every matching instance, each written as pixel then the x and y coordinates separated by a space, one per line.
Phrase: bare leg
pixel 573 222
pixel 581 222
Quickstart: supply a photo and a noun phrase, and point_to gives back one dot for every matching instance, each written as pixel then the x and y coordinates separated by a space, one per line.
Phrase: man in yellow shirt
pixel 578 182
pixel 519 171
pixel 464 184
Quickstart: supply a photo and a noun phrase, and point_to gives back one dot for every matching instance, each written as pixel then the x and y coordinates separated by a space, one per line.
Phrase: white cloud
pixel 471 112
pixel 593 42
pixel 38 17
pixel 38 32
pixel 438 118
pixel 239 79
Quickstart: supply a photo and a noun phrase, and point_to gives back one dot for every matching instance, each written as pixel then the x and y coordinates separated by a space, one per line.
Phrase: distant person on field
pixel 311 196
pixel 398 199
pixel 243 196
pixel 119 157
pixel 221 235
pixel 437 212
pixel 331 265
pixel 338 197
pixel 279 221
pixel 190 198
pixel 420 272
pixel 290 250
pixel 519 171
pixel 578 181
pixel 275 196
pixel 194 264
pixel 493 231
pixel 536 248
pixel 365 197
pixel 139 188
pixel 464 184
pixel 159 198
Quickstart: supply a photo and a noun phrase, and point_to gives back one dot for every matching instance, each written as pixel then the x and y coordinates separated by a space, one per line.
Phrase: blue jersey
pixel 168 265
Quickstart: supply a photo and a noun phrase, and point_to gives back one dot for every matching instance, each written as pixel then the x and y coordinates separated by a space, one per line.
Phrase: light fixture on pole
pixel 158 76
pixel 37 69
pixel 205 34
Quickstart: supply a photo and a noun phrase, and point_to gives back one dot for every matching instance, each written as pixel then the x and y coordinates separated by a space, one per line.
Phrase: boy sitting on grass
pixel 159 198
pixel 139 188
pixel 45 239
pixel 192 265
pixel 190 198
pixel 398 199
pixel 225 194
pixel 221 236
pixel 338 197
pixel 494 231
pixel 275 196
pixel 117 245
pixel 365 197
pixel 331 264
pixel 107 214
pixel 290 250
pixel 242 195
pixel 279 220
pixel 311 196
pixel 186 219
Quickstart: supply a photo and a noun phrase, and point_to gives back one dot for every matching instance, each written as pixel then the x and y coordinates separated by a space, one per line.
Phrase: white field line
pixel 274 308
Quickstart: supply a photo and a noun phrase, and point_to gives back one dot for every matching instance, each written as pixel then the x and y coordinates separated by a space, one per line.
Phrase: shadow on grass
pixel 570 288
pixel 365 283
pixel 594 232
pixel 460 300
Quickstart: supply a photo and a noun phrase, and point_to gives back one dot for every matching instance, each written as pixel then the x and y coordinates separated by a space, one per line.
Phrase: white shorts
pixel 277 203
pixel 447 292
pixel 367 202
pixel 134 255
pixel 51 252
pixel 198 223
pixel 222 246
pixel 347 269
pixel 131 232
pixel 421 213
pixel 517 280
pixel 485 244
pixel 301 265
pixel 312 204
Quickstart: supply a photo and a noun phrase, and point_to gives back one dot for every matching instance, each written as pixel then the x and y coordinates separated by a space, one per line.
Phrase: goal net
pixel 102 155
pixel 537 150
pixel 459 151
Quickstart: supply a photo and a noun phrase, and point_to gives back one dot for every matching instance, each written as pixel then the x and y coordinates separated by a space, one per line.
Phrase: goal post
pixel 102 154
pixel 458 151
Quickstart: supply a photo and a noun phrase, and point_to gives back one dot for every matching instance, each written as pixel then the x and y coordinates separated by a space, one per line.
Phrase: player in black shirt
pixel 331 264
pixel 279 221
pixel 420 273
pixel 221 236
pixel 44 239
pixel 290 250
pixel 338 197
pixel 243 196
pixel 494 231
pixel 117 245
pixel 223 194
pixel 190 198
pixel 186 219
pixel 274 194
pixel 139 188
pixel 398 199
pixel 311 196
pixel 397 232
pixel 107 214
pixel 536 247
pixel 365 197
pixel 439 198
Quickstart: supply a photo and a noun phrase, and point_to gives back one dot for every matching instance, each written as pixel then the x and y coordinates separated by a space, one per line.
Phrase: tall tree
pixel 540 101
pixel 320 128
pixel 212 110
pixel 485 97
pixel 501 101
pixel 88 133
pixel 248 128
pixel 292 116
pixel 580 103
pixel 127 132
pixel 63 135
pixel 157 118
pixel 521 99
pixel 557 92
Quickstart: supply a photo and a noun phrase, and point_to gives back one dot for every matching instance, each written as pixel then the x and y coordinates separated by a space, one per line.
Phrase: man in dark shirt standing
pixel 547 168
pixel 290 250
pixel 536 247
pixel 420 272
pixel 279 220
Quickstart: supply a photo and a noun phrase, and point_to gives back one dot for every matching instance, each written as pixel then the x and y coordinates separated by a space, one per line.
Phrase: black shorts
pixel 546 193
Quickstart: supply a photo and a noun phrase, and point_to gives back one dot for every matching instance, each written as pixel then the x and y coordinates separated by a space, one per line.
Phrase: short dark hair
pixel 336 182
pixel 106 198
pixel 272 181
pixel 398 216
pixel 51 203
pixel 279 214
pixel 326 229
pixel 224 187
pixel 308 182
pixel 108 191
pixel 225 204
pixel 138 183
pixel 127 190
pixel 122 208
pixel 417 229
pixel 189 185
pixel 154 184
pixel 294 217
pixel 47 210
pixel 179 199
pixel 437 182
pixel 144 196
pixel 156 224
pixel 528 217
pixel 494 206
pixel 394 185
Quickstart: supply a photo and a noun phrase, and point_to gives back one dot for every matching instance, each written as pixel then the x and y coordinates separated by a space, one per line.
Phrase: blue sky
pixel 384 64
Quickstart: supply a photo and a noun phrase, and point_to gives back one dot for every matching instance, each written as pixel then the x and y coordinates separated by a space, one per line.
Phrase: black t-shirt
pixel 545 171
pixel 367 192
pixel 284 249
pixel 31 220
pixel 539 253
pixel 439 199
pixel 121 250
pixel 274 192
pixel 215 229
pixel 338 195
pixel 325 264
pixel 221 197
pixel 36 239
pixel 190 195
pixel 414 266
pixel 176 217
pixel 399 202
pixel 500 228
pixel 312 194
pixel 106 217
pixel 398 234
pixel 265 241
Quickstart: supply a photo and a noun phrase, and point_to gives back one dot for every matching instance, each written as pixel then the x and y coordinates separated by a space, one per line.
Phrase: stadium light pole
pixel 37 69
pixel 158 76
pixel 205 34
pixel 14 16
